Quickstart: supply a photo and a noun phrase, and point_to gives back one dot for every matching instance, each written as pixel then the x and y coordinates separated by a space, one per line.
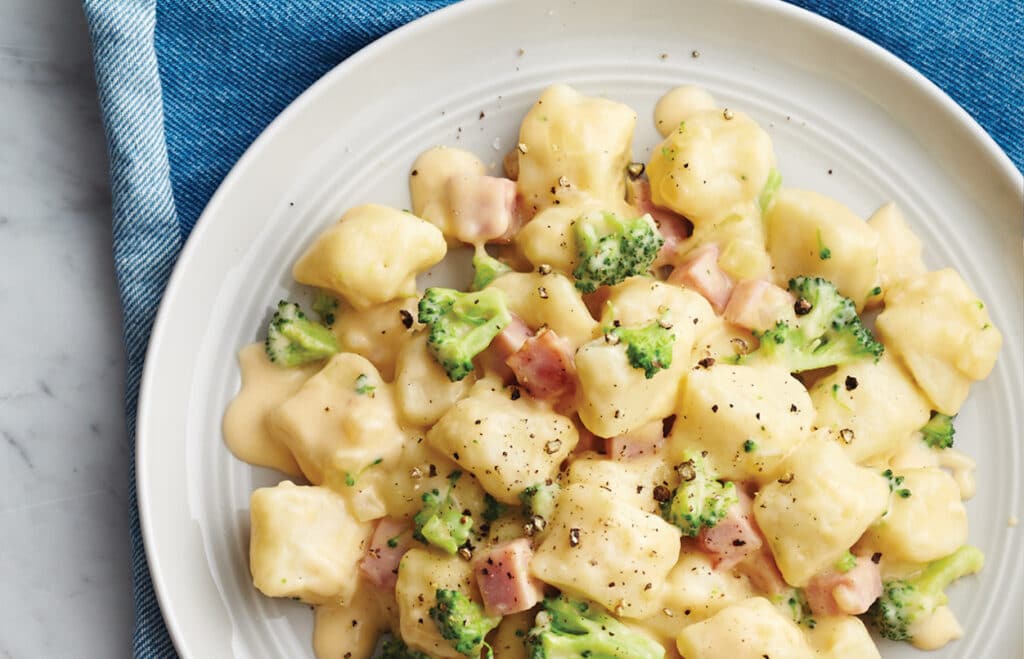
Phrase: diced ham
pixel 380 564
pixel 588 440
pixel 503 575
pixel 735 537
pixel 700 272
pixel 763 573
pixel 756 305
pixel 674 228
pixel 645 440
pixel 544 365
pixel 484 208
pixel 832 592
pixel 503 346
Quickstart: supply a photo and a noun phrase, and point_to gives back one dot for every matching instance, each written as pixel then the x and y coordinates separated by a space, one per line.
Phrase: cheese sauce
pixel 264 386
pixel 348 631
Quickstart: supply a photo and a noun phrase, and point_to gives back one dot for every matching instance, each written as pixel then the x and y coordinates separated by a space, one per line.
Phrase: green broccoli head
pixel 440 522
pixel 326 305
pixel 700 501
pixel 794 603
pixel 846 562
pixel 461 325
pixel 905 602
pixel 540 499
pixel 611 249
pixel 939 431
pixel 395 648
pixel 570 628
pixel 648 348
pixel 493 509
pixel 486 269
pixel 462 622
pixel 539 502
pixel 293 339
pixel 827 332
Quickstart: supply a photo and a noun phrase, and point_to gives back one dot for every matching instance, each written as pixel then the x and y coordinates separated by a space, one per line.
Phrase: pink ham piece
pixel 756 305
pixel 763 573
pixel 380 564
pixel 833 593
pixel 588 440
pixel 503 575
pixel 700 272
pixel 504 345
pixel 544 365
pixel 645 440
pixel 674 228
pixel 484 208
pixel 735 537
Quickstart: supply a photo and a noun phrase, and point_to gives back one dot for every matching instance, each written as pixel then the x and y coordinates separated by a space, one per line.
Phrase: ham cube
pixel 763 573
pixel 735 537
pixel 674 228
pixel 483 207
pixel 588 440
pixel 503 575
pixel 757 305
pixel 700 272
pixel 544 365
pixel 504 345
pixel 380 564
pixel 833 593
pixel 645 440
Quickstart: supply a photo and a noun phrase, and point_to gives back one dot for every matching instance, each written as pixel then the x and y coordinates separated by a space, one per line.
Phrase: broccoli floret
pixel 611 248
pixel 325 305
pixel 827 331
pixel 648 348
pixel 461 325
pixel 894 484
pixel 539 505
pixel 293 339
pixel 700 500
pixel 905 602
pixel 770 189
pixel 463 622
pixel 440 522
pixel 363 386
pixel 571 628
pixel 794 603
pixel 540 499
pixel 493 509
pixel 486 269
pixel 939 431
pixel 395 648
pixel 846 562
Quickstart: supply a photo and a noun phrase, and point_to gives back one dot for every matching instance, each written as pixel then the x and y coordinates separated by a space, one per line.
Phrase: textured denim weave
pixel 186 85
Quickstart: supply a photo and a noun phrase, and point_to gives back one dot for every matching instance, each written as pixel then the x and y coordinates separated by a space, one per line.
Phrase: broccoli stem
pixel 944 571
pixel 486 269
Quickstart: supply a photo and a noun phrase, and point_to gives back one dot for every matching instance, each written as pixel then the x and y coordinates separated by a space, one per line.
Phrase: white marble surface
pixel 64 575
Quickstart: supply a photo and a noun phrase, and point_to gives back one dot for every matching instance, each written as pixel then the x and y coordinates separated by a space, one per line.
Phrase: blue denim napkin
pixel 186 85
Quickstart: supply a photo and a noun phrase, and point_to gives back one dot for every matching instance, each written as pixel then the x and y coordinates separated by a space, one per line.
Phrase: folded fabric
pixel 185 86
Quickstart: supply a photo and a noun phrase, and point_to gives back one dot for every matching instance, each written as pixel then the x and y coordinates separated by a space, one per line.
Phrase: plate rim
pixel 880 57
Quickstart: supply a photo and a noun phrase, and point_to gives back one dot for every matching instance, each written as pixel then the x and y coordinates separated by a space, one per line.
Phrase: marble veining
pixel 64 575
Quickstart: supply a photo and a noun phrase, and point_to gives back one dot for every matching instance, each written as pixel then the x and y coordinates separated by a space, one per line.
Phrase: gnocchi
pixel 624 427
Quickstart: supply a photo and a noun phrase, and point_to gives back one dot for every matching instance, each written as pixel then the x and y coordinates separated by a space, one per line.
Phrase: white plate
pixel 847 118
